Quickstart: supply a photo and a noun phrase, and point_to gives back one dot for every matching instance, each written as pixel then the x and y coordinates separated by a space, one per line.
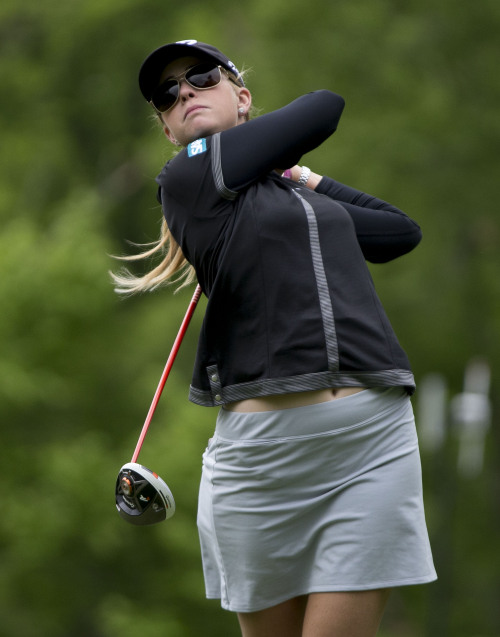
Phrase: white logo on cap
pixel 186 42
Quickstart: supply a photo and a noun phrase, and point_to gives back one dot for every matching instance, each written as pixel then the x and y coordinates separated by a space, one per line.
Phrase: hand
pixel 313 180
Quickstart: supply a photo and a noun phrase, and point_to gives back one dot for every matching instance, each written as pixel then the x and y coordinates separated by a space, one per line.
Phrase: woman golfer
pixel 310 506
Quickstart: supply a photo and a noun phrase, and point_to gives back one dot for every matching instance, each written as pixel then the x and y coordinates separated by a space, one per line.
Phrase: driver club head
pixel 142 497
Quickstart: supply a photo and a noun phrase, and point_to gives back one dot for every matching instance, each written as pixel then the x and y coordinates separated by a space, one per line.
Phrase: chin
pixel 205 130
pixel 202 132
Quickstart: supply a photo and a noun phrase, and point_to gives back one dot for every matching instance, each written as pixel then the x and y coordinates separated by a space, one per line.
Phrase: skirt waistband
pixel 310 419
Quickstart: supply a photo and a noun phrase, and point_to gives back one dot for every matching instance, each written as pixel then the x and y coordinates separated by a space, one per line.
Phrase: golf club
pixel 142 497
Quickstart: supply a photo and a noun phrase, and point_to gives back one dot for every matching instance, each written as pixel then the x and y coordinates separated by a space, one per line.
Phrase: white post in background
pixel 468 417
pixel 432 412
pixel 471 418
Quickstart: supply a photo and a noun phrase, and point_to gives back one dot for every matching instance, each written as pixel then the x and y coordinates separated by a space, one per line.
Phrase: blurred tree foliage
pixel 79 366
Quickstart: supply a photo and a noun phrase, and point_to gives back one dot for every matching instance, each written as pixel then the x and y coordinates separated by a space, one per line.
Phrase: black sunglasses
pixel 201 77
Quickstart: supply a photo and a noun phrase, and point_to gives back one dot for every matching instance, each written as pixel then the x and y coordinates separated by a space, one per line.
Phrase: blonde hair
pixel 173 267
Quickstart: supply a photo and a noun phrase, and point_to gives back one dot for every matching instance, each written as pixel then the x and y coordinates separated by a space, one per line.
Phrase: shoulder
pixel 198 166
pixel 191 166
pixel 188 160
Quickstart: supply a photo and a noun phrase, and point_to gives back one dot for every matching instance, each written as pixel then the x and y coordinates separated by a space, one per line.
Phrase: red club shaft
pixel 168 367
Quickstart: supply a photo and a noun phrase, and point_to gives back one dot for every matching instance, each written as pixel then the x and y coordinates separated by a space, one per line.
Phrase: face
pixel 198 113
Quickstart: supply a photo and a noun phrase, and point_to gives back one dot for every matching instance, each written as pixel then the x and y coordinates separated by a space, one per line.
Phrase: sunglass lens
pixel 203 76
pixel 165 95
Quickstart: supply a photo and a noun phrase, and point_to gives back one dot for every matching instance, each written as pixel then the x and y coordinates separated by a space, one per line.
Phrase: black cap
pixel 153 65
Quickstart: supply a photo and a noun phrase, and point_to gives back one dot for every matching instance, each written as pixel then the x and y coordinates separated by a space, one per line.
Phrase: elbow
pixel 418 237
pixel 414 237
pixel 395 249
pixel 411 240
pixel 337 100
pixel 330 107
pixel 337 104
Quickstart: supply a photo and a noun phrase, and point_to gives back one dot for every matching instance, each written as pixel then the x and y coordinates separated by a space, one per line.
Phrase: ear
pixel 244 100
pixel 169 135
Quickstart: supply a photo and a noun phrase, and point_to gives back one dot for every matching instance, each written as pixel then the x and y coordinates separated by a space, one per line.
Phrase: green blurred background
pixel 79 366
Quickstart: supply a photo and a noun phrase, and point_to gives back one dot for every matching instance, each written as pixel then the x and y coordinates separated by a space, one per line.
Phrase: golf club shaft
pixel 168 367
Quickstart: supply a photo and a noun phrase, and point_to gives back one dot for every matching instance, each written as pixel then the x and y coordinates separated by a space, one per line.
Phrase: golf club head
pixel 142 497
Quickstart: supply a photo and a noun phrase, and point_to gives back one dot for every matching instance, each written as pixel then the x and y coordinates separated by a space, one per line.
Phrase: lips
pixel 193 109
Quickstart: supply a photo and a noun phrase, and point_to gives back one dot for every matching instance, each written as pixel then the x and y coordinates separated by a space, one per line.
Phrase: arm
pixel 279 138
pixel 384 232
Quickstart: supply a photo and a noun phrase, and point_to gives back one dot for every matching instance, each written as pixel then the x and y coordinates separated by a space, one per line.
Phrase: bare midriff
pixel 287 401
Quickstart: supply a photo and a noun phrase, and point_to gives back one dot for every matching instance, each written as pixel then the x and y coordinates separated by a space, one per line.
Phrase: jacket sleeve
pixel 278 139
pixel 384 232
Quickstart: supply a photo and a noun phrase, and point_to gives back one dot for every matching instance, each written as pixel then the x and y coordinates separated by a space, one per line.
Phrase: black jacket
pixel 291 303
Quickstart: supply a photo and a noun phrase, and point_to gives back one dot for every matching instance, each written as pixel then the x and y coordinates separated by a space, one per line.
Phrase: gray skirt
pixel 319 498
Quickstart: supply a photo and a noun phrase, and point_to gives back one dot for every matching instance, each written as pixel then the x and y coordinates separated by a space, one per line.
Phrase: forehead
pixel 177 67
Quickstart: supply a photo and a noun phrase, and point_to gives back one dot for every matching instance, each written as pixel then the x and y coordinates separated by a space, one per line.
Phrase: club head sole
pixel 142 497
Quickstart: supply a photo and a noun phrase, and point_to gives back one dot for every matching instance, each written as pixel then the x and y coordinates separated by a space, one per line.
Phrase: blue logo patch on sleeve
pixel 197 147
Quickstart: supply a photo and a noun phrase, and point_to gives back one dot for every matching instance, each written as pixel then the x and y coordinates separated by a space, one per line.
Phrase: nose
pixel 185 90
